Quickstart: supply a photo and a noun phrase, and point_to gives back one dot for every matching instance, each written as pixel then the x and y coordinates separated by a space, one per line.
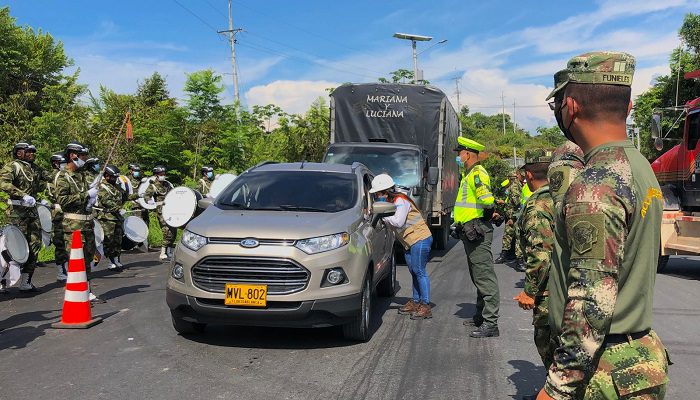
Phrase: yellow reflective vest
pixel 474 195
pixel 525 194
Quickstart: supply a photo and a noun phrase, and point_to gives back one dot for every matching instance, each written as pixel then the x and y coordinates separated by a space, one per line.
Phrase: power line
pixel 195 15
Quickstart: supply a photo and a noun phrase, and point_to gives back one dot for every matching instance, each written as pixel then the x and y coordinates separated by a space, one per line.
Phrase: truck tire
pixel 387 287
pixel 441 235
pixel 359 329
pixel 186 327
pixel 663 263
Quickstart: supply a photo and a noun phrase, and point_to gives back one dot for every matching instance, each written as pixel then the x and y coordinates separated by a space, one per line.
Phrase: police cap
pixel 469 145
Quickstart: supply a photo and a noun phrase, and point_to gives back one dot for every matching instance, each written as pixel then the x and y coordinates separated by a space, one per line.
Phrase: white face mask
pixel 61 166
pixel 161 178
pixel 78 162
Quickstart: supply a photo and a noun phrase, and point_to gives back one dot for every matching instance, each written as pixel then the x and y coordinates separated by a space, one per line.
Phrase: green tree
pixel 551 136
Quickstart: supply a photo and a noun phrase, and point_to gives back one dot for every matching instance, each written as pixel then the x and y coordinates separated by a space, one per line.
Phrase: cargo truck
pixel 407 131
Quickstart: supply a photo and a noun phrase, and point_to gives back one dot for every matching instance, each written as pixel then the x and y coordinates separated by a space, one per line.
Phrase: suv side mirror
pixel 381 210
pixel 205 202
pixel 433 174
pixel 656 126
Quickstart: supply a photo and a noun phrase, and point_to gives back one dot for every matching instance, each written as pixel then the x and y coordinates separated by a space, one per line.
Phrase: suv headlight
pixel 193 241
pixel 323 243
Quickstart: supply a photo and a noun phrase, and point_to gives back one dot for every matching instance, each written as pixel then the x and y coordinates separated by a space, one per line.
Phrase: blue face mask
pixel 96 168
pixel 460 163
pixel 210 175
pixel 136 174
pixel 381 199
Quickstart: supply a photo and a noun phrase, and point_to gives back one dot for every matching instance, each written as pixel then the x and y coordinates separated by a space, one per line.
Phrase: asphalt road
pixel 135 353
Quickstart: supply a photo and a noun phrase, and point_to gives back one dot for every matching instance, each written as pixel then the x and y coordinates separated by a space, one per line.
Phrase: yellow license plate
pixel 245 295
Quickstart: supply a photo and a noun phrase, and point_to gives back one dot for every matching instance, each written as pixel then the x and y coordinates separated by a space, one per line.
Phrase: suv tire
pixel 359 329
pixel 387 287
pixel 186 327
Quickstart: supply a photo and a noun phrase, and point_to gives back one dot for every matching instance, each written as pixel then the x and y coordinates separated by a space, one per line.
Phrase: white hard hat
pixel 381 182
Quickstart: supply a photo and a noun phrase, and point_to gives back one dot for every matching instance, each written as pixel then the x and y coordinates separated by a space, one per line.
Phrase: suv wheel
pixel 186 327
pixel 359 329
pixel 387 287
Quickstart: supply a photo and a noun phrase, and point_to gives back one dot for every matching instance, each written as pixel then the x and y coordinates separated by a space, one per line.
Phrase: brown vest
pixel 415 229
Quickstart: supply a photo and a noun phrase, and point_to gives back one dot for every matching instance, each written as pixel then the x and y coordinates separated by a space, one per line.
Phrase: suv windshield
pixel 401 164
pixel 291 191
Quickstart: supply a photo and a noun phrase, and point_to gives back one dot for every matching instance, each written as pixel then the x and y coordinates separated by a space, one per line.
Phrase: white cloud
pixel 293 97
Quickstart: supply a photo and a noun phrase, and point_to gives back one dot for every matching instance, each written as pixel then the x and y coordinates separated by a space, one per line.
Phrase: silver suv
pixel 293 245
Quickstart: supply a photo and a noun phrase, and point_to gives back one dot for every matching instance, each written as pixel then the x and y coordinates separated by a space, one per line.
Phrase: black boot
pixel 485 330
pixel 501 258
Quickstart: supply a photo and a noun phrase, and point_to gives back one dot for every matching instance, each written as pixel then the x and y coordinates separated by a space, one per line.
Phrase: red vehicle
pixel 678 172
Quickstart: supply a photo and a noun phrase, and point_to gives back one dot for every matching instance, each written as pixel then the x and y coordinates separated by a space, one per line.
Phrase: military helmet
pixel 31 148
pixel 77 148
pixel 207 168
pixel 134 167
pixel 92 160
pixel 112 170
pixel 159 169
pixel 20 146
pixel 58 157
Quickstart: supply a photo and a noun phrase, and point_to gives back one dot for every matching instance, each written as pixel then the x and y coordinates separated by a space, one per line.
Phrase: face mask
pixel 96 167
pixel 381 199
pixel 210 175
pixel 137 174
pixel 62 166
pixel 78 162
pixel 460 163
pixel 161 178
pixel 560 121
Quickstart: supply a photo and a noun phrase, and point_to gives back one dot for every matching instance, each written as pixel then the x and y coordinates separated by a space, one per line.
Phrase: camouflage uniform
pixel 72 196
pixel 610 232
pixel 537 240
pixel 512 206
pixel 157 191
pixel 60 254
pixel 110 200
pixel 18 179
pixel 204 186
pixel 524 196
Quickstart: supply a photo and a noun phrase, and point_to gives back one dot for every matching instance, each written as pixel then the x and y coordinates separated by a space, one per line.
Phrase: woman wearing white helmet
pixel 412 231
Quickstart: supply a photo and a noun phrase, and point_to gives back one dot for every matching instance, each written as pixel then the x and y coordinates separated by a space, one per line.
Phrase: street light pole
pixel 413 39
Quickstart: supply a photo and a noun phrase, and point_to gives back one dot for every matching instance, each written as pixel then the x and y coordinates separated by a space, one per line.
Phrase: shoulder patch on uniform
pixel 587 236
pixel 477 179
pixel 556 180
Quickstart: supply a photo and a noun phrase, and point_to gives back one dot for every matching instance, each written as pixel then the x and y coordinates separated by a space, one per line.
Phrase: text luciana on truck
pixel 678 172
pixel 404 130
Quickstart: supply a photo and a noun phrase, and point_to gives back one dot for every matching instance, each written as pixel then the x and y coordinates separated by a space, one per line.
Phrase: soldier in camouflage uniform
pixel 204 184
pixel 610 233
pixel 92 168
pixel 511 204
pixel 155 194
pixel 19 180
pixel 76 198
pixel 537 228
pixel 111 198
pixel 136 178
pixel 523 196
pixel 58 163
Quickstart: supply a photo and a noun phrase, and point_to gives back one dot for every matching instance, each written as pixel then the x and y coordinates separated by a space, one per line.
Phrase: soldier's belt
pixel 78 217
pixel 619 338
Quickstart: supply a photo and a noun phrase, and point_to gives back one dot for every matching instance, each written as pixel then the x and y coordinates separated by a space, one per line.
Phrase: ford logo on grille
pixel 249 243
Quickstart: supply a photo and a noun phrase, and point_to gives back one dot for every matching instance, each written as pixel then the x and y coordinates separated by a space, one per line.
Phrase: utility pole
pixel 459 106
pixel 503 112
pixel 232 42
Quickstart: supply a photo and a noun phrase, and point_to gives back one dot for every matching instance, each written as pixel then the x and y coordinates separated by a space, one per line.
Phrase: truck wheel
pixel 359 329
pixel 186 327
pixel 387 287
pixel 663 263
pixel 441 236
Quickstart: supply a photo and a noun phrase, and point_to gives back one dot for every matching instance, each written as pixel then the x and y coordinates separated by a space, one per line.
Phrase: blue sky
pixel 290 51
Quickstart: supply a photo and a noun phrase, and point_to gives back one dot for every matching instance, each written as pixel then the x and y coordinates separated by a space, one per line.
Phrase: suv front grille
pixel 280 275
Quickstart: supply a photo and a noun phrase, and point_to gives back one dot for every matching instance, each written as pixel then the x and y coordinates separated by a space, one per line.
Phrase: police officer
pixel 155 194
pixel 204 183
pixel 610 232
pixel 111 198
pixel 19 180
pixel 136 179
pixel 472 211
pixel 511 205
pixel 76 198
pixel 537 232
pixel 58 164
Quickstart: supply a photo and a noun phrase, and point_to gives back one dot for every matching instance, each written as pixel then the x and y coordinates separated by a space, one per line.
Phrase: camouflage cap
pixel 598 67
pixel 568 150
pixel 538 156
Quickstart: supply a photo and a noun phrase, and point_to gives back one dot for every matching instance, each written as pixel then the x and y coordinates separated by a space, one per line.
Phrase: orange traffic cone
pixel 76 304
